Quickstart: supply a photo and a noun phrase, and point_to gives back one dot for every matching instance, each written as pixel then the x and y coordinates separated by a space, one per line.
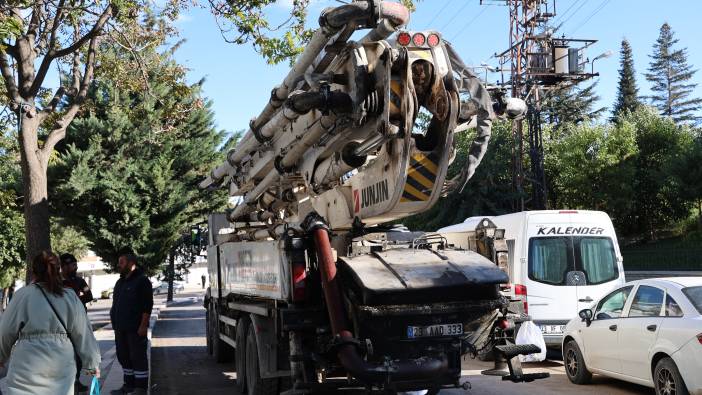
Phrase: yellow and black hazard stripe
pixel 421 176
pixel 395 96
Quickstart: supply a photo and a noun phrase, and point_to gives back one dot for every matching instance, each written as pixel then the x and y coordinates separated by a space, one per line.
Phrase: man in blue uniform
pixel 131 308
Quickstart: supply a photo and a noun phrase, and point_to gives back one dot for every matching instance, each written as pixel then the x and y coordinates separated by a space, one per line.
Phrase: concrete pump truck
pixel 311 291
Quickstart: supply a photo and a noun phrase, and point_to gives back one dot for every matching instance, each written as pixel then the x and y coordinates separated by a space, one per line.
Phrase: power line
pixel 455 15
pixel 561 16
pixel 597 10
pixel 469 23
pixel 574 13
pixel 439 13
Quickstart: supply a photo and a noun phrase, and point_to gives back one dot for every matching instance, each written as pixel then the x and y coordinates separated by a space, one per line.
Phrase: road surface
pixel 180 364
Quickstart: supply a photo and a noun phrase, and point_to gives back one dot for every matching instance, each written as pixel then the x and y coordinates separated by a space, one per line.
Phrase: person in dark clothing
pixel 203 278
pixel 69 270
pixel 131 308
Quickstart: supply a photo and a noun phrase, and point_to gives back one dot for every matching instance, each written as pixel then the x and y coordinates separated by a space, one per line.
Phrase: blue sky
pixel 239 81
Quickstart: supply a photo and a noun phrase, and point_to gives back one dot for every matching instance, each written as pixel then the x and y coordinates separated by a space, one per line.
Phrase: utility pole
pixel 539 63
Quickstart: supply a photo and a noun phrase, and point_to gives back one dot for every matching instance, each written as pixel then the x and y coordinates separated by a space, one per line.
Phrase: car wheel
pixel 575 364
pixel 667 378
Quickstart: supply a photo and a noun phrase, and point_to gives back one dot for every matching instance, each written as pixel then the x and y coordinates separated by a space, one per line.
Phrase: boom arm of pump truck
pixel 338 135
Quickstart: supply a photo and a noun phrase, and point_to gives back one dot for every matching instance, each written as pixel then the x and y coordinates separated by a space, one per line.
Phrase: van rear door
pixel 552 296
pixel 596 258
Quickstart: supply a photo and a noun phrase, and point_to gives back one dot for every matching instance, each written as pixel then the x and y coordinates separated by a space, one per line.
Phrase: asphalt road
pixel 180 365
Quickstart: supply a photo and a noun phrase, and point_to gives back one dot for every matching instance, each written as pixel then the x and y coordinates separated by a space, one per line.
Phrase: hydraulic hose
pixel 424 368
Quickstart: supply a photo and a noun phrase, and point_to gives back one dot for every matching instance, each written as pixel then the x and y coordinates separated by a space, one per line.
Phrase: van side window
pixel 611 306
pixel 647 302
pixel 672 309
pixel 550 259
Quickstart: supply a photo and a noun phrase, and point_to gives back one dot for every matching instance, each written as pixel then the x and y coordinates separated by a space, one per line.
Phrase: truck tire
pixel 242 328
pixel 208 329
pixel 221 351
pixel 255 385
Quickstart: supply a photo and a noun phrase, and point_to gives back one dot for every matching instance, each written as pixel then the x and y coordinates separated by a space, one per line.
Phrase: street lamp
pixel 600 56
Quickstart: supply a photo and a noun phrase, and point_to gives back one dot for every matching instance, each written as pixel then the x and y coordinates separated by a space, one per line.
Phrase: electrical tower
pixel 539 63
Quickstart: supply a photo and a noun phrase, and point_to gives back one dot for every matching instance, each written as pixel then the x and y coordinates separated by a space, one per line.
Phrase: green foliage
pixel 130 169
pixel 245 21
pixel 627 91
pixel 11 222
pixel 591 167
pixel 489 191
pixel 571 105
pixel 68 239
pixel 671 76
pixel 624 169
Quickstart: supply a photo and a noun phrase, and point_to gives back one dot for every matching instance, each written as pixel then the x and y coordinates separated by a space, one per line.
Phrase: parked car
pixel 107 294
pixel 647 332
pixel 560 261
pixel 163 288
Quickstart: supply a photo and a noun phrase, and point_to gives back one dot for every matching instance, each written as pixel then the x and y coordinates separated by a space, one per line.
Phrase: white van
pixel 560 262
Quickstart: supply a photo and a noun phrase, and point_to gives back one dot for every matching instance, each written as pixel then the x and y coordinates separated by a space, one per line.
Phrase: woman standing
pixel 44 329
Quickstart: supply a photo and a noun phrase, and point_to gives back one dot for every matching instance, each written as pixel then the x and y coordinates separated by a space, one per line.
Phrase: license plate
pixel 552 329
pixel 434 330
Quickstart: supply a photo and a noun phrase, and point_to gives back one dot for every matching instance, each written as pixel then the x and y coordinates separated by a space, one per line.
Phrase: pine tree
pixel 572 105
pixel 627 92
pixel 671 76
pixel 130 168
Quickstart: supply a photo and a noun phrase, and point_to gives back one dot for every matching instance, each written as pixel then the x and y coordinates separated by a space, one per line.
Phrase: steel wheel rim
pixel 665 382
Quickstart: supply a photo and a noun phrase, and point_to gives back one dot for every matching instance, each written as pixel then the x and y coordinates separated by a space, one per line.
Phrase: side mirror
pixel 586 316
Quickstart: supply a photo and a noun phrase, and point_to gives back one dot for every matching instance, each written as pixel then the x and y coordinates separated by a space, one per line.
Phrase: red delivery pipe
pixel 405 370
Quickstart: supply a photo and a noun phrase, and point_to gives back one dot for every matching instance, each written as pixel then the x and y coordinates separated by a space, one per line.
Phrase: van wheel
pixel 242 327
pixel 256 385
pixel 667 378
pixel 575 364
pixel 221 351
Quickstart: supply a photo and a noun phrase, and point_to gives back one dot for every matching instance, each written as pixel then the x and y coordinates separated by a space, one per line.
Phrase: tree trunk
pixel 3 299
pixel 171 275
pixel 36 204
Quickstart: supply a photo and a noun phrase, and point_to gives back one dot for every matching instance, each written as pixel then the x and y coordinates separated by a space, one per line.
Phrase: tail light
pixel 299 277
pixel 433 40
pixel 520 291
pixel 505 324
pixel 404 39
pixel 699 338
pixel 418 39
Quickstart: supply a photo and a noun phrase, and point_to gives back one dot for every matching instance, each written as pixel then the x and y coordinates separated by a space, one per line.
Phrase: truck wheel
pixel 667 378
pixel 254 383
pixel 242 328
pixel 575 364
pixel 221 351
pixel 208 329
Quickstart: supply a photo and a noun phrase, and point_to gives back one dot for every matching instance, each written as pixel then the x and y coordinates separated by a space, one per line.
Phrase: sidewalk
pixel 110 369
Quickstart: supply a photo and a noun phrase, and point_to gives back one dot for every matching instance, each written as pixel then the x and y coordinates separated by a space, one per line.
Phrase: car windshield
pixel 695 296
pixel 552 258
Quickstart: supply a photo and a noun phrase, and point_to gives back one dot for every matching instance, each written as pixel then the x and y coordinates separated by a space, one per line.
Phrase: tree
pixel 627 91
pixel 658 202
pixel 671 76
pixel 11 226
pixel 570 106
pixel 687 175
pixel 245 21
pixel 49 33
pixel 489 191
pixel 130 168
pixel 591 167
